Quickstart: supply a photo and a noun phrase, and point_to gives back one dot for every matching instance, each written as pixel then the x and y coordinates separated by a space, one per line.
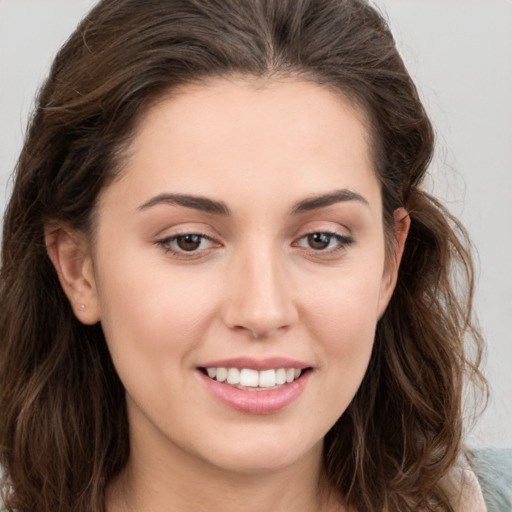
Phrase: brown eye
pixel 319 241
pixel 188 245
pixel 324 243
pixel 189 242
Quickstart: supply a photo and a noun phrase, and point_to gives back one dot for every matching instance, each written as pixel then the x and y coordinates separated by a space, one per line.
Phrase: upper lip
pixel 257 364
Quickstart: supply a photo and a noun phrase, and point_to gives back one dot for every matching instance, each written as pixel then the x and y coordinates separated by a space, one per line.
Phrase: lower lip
pixel 257 402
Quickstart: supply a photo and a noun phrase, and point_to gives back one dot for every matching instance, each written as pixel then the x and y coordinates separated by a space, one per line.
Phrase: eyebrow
pixel 325 200
pixel 218 207
pixel 188 201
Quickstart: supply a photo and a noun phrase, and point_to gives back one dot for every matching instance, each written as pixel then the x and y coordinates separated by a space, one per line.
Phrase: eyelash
pixel 343 242
pixel 166 244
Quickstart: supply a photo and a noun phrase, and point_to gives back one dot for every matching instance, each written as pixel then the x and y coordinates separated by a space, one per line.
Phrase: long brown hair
pixel 63 427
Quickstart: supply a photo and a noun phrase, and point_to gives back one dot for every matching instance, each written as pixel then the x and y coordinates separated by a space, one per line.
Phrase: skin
pixel 254 287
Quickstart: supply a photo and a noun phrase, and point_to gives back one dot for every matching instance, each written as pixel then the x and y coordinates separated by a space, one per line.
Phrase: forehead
pixel 253 137
pixel 254 104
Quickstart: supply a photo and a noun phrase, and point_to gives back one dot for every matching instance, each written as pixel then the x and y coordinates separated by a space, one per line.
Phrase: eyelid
pixel 343 239
pixel 344 242
pixel 165 242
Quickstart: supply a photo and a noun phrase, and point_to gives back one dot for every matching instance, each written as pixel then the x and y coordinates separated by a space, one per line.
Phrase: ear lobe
pixel 68 251
pixel 402 222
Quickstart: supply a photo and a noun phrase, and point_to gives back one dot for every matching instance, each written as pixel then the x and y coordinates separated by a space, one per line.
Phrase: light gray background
pixel 460 54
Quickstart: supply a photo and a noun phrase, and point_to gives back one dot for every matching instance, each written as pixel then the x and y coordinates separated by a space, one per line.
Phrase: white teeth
pixel 280 376
pixel 249 378
pixel 233 376
pixel 267 379
pixel 222 374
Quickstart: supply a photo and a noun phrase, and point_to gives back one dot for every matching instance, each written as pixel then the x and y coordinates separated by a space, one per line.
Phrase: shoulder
pixel 471 499
pixel 464 489
pixel 493 467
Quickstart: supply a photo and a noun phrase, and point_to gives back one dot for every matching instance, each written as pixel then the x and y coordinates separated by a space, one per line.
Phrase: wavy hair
pixel 63 427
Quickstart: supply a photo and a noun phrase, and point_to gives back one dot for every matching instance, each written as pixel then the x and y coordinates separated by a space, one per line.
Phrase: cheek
pixel 341 316
pixel 154 321
pixel 152 313
pixel 344 306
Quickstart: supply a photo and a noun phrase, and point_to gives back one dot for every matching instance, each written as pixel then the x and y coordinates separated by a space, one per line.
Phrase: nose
pixel 259 296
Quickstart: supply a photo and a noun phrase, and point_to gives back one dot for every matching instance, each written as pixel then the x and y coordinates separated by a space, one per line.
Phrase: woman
pixel 222 284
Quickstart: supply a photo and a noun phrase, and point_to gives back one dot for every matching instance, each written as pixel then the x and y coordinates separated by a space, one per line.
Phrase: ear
pixel 70 255
pixel 402 222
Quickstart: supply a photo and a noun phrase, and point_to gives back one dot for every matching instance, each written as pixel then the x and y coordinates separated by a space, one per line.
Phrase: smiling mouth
pixel 248 379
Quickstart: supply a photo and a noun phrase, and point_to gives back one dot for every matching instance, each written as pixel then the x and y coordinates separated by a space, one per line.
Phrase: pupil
pixel 188 242
pixel 319 240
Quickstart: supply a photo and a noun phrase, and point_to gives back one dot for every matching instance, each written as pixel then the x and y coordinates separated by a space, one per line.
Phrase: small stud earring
pixel 82 307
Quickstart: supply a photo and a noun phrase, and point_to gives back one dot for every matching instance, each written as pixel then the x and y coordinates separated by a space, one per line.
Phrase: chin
pixel 264 454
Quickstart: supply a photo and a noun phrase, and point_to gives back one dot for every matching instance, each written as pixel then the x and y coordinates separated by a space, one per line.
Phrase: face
pixel 239 270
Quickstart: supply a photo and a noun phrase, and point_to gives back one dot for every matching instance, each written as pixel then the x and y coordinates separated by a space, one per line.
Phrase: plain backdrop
pixel 460 54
